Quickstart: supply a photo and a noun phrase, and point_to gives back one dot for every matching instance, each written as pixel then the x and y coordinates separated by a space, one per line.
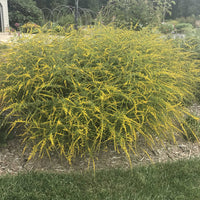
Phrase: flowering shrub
pixel 90 89
pixel 30 28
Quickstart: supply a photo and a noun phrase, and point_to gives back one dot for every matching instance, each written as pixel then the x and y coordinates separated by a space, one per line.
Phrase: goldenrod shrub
pixel 94 88
pixel 30 28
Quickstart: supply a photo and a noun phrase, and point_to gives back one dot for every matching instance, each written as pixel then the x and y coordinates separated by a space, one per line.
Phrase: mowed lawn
pixel 176 181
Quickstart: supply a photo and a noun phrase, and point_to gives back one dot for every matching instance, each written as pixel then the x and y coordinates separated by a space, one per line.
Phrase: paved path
pixel 5 37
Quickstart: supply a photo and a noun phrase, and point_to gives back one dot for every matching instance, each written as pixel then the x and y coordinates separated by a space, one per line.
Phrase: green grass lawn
pixel 177 181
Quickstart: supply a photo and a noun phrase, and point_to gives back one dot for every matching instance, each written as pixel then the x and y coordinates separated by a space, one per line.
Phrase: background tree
pixel 163 8
pixel 50 3
pixel 185 8
pixel 128 12
pixel 23 11
pixel 94 5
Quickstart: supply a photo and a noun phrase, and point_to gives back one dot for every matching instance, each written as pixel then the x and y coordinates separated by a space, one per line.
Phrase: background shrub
pixel 22 12
pixel 191 43
pixel 166 28
pixel 30 28
pixel 66 20
pixel 96 87
pixel 128 13
pixel 183 27
pixel 190 19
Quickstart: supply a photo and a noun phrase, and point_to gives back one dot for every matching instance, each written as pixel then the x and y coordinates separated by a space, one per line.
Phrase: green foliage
pixel 185 8
pixel 54 28
pixel 99 86
pixel 3 127
pixel 30 28
pixel 174 22
pixel 49 27
pixel 23 11
pixel 58 28
pixel 163 7
pixel 128 13
pixel 166 28
pixel 193 125
pixel 66 20
pixel 3 46
pixel 183 27
pixel 191 43
pixel 190 20
pixel 94 5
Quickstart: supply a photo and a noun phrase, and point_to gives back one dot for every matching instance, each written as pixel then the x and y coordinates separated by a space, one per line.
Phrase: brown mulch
pixel 12 160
